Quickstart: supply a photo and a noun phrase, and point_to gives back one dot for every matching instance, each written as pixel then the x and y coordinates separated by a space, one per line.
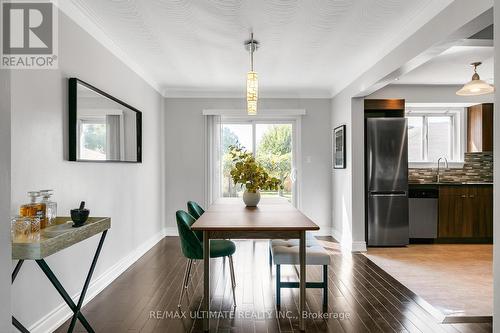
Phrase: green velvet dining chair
pixel 192 249
pixel 194 209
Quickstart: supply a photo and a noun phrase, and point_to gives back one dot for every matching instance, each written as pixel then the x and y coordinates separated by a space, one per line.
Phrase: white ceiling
pixel 453 67
pixel 309 48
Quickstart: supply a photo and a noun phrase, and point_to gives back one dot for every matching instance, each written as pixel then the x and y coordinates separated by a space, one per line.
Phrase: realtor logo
pixel 29 39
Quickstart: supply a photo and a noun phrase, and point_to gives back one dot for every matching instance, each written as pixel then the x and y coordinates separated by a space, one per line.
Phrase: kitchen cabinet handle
pixel 463 196
pixel 471 196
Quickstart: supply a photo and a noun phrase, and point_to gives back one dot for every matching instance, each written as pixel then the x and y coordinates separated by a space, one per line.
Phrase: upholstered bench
pixel 286 252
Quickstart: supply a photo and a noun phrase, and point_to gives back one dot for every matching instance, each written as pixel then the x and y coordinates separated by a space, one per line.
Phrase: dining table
pixel 272 218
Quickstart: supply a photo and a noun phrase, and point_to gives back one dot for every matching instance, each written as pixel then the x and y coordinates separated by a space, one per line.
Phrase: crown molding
pixel 74 12
pixel 213 93
pixel 262 112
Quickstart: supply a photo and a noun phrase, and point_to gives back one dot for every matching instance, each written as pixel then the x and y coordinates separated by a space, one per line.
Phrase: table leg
pixel 55 282
pixel 87 282
pixel 17 269
pixel 16 322
pixel 302 260
pixel 206 281
pixel 19 326
pixel 77 314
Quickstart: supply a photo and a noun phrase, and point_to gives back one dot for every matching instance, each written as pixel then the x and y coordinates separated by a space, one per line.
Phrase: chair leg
pixel 278 287
pixel 325 288
pixel 190 265
pixel 233 279
pixel 183 286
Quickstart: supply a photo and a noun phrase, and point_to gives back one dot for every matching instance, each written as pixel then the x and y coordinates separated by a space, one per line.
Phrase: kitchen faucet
pixel 438 169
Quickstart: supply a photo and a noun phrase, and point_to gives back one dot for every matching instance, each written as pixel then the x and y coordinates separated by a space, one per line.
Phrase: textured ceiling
pixel 309 47
pixel 453 67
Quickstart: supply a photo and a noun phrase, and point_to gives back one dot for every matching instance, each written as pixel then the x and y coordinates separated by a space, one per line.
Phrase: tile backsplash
pixel 478 167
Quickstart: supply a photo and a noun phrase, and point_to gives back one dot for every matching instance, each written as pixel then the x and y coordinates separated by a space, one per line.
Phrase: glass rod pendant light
pixel 252 81
pixel 476 86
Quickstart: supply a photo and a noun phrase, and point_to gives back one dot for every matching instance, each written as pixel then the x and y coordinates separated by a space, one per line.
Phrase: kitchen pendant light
pixel 476 86
pixel 252 81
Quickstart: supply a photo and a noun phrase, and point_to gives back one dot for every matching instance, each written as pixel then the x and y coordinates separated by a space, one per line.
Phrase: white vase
pixel 251 199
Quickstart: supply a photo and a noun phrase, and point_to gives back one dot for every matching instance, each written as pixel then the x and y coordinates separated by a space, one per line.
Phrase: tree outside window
pixel 273 152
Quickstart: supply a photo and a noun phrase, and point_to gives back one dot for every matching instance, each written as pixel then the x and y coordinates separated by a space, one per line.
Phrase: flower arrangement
pixel 249 173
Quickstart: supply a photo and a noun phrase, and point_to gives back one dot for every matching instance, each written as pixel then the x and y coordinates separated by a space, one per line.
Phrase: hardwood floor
pixel 362 298
pixel 456 279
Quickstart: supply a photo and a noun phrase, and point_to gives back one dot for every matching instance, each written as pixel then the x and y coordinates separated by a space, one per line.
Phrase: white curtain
pixel 113 137
pixel 213 130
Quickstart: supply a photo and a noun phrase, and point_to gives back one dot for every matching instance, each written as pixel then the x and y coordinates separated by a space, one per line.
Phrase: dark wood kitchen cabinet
pixel 385 108
pixel 465 211
pixel 480 128
pixel 450 211
pixel 481 210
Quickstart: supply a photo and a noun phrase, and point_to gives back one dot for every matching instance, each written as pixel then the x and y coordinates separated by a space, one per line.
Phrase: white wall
pixel 131 194
pixel 428 94
pixel 185 139
pixel 496 180
pixel 341 179
pixel 348 202
pixel 5 254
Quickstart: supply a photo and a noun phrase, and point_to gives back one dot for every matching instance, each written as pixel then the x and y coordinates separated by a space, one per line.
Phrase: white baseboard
pixel 353 246
pixel 171 231
pixel 336 234
pixel 61 313
pixel 358 246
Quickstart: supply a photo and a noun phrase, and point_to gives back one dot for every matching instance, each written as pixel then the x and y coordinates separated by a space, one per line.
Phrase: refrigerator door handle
pixel 388 194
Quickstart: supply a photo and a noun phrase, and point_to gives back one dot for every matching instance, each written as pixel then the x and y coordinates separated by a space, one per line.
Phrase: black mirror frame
pixel 72 120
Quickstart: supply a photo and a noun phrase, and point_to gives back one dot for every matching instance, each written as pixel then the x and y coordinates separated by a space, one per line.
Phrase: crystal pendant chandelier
pixel 252 82
pixel 476 86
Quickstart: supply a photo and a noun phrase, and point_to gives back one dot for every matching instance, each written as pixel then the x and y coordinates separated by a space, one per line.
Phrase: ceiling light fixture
pixel 476 86
pixel 252 82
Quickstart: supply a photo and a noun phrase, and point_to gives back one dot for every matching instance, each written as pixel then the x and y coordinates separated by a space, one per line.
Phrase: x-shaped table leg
pixel 55 282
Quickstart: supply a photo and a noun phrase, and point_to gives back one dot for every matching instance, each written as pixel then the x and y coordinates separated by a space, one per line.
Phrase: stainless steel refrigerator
pixel 387 181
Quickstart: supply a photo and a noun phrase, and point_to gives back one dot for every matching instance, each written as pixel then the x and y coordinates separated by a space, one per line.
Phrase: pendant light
pixel 476 86
pixel 252 82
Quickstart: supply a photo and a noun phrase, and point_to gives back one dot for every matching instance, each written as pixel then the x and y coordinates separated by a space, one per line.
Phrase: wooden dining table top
pixel 272 214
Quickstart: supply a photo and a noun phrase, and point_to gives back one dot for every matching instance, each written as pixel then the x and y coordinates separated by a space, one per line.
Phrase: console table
pixel 54 239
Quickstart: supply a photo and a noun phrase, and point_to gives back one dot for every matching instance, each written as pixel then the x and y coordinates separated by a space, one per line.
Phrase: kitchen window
pixel 435 133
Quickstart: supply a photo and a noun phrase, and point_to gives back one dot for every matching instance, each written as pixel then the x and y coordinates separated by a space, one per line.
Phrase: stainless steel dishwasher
pixel 423 212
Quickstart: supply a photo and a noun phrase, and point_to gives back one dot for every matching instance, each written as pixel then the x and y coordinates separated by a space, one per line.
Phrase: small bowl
pixel 79 216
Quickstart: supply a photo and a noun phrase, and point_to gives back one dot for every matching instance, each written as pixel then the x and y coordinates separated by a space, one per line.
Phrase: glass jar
pixel 50 206
pixel 34 208
pixel 36 225
pixel 20 229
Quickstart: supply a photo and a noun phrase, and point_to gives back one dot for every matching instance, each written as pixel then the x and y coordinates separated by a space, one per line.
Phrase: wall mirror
pixel 101 127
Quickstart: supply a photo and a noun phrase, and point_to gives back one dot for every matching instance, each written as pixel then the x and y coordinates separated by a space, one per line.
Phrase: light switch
pixel 308 159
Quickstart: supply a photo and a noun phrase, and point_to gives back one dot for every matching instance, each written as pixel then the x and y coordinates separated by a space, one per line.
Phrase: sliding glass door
pixel 273 145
